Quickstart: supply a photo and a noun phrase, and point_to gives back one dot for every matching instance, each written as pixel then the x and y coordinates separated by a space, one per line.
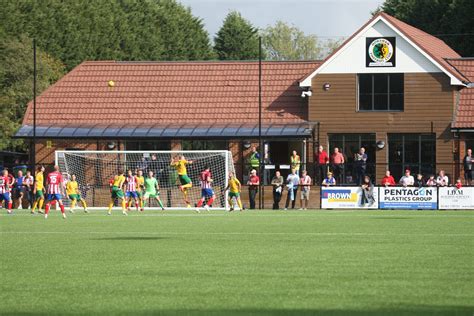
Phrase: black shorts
pixel 468 174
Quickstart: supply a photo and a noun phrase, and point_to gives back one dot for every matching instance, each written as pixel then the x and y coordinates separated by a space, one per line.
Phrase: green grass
pixel 265 263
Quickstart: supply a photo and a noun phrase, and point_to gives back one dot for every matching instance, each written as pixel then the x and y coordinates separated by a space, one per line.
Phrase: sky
pixel 324 18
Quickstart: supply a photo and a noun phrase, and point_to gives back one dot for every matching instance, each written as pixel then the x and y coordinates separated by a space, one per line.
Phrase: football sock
pixel 41 201
pixel 209 203
pixel 239 202
pixel 199 204
pixel 46 208
pixel 84 204
pixel 161 204
pixel 73 204
pixel 111 204
pixel 34 206
pixel 10 205
pixel 61 206
pixel 123 205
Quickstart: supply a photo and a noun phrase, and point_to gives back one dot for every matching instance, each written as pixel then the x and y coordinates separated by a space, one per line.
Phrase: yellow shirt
pixel 118 181
pixel 39 181
pixel 180 166
pixel 234 185
pixel 71 187
pixel 295 162
pixel 140 183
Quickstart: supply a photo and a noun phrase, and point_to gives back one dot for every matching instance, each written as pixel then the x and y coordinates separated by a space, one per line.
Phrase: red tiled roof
pixel 154 93
pixel 464 117
pixel 465 66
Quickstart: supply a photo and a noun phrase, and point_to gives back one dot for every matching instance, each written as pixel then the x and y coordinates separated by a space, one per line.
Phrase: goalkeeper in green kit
pixel 152 189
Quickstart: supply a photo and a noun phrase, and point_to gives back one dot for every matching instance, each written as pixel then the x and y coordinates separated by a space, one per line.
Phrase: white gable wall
pixel 352 57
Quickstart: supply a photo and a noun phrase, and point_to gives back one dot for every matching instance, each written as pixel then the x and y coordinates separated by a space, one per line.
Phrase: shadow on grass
pixel 139 238
pixel 415 310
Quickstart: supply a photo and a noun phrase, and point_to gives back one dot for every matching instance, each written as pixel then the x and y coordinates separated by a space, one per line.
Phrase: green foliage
pixel 16 84
pixel 287 42
pixel 438 17
pixel 78 30
pixel 237 39
pixel 252 263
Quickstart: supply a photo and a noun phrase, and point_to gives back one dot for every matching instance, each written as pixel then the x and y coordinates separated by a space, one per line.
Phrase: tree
pixel 77 30
pixel 16 84
pixel 287 42
pixel 237 39
pixel 450 20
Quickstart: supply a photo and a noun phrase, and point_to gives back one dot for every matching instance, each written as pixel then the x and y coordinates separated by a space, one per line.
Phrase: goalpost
pixel 95 169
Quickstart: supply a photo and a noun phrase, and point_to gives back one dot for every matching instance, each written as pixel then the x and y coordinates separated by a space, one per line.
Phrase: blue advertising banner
pixel 408 198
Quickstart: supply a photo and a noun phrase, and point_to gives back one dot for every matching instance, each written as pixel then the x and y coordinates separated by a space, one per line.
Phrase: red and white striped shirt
pixel 4 181
pixel 28 180
pixel 131 184
pixel 205 184
pixel 54 181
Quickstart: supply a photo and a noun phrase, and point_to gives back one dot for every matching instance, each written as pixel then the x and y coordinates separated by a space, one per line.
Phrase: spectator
pixel 295 162
pixel 337 164
pixel 431 182
pixel 305 183
pixel 367 196
pixel 266 172
pixel 468 170
pixel 322 161
pixel 419 181
pixel 388 180
pixel 277 183
pixel 360 160
pixel 18 190
pixel 254 159
pixel 142 165
pixel 442 180
pixel 329 181
pixel 253 183
pixel 292 185
pixel 28 183
pixel 458 184
pixel 407 180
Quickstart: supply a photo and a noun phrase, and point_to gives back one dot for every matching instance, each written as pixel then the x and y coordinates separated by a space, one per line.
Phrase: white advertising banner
pixel 346 197
pixel 408 198
pixel 451 198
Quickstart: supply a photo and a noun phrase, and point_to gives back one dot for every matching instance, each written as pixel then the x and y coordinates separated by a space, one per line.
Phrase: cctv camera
pixel 305 94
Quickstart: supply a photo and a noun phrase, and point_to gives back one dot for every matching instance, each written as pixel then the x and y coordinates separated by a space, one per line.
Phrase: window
pixel 349 145
pixel 204 145
pixel 381 92
pixel 147 145
pixel 416 152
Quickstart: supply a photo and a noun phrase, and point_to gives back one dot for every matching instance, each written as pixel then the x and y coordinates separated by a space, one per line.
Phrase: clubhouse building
pixel 403 94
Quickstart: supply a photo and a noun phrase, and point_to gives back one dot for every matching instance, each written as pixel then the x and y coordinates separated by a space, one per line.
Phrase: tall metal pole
pixel 33 149
pixel 262 150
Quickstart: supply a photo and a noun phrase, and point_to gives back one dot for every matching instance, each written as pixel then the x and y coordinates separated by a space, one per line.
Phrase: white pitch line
pixel 243 233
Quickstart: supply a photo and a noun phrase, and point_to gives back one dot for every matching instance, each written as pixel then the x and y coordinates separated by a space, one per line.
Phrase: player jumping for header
pixel 55 184
pixel 5 191
pixel 179 163
pixel 117 192
pixel 72 191
pixel 206 189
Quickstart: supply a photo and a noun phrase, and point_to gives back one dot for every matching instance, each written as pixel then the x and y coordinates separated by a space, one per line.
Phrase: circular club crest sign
pixel 380 50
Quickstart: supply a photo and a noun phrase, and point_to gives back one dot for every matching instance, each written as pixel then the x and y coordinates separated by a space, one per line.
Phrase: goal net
pixel 94 171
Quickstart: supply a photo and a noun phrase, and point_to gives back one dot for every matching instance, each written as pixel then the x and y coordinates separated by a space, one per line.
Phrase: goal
pixel 95 169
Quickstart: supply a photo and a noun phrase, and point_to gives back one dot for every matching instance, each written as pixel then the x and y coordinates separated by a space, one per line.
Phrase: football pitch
pixel 251 263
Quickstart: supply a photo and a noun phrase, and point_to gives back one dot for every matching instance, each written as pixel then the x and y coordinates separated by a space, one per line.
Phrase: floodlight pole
pixel 33 149
pixel 262 150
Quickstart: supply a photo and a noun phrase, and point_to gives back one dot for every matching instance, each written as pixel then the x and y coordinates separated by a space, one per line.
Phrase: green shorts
pixel 152 195
pixel 117 192
pixel 39 194
pixel 234 194
pixel 184 179
pixel 76 197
